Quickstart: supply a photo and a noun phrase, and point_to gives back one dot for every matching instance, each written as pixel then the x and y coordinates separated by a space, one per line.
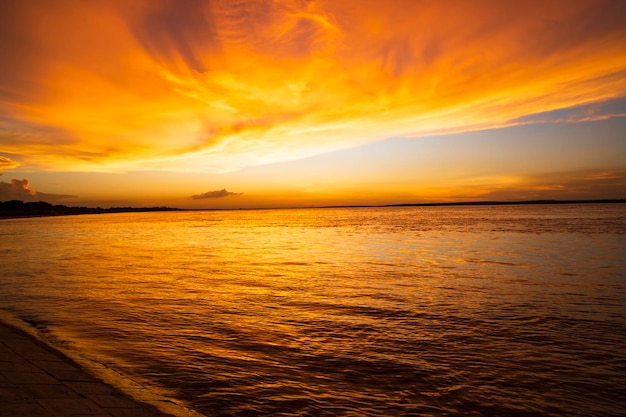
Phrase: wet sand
pixel 36 380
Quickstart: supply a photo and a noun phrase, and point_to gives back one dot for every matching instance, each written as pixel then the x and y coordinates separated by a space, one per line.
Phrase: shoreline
pixel 38 378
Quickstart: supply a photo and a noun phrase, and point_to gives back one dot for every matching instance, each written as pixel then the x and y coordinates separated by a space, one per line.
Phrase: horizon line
pixel 110 210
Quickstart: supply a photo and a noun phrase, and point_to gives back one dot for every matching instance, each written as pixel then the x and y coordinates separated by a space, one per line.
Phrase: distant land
pixel 16 208
pixel 504 203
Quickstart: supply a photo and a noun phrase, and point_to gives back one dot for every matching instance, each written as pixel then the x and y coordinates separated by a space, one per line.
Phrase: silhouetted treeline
pixel 17 208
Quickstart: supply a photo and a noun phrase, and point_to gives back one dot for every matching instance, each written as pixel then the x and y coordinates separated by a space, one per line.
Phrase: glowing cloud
pixel 7 163
pixel 217 85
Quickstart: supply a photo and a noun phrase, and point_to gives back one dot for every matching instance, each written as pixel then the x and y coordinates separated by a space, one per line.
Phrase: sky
pixel 290 103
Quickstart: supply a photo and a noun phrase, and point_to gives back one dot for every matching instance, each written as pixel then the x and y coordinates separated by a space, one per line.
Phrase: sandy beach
pixel 36 380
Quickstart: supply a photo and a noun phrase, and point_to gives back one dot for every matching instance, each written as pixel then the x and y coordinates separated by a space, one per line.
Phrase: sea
pixel 511 310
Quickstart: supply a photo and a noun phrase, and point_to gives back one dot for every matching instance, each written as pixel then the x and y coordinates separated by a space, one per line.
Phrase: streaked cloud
pixel 217 85
pixel 215 194
pixel 584 113
pixel 20 190
pixel 6 163
pixel 575 185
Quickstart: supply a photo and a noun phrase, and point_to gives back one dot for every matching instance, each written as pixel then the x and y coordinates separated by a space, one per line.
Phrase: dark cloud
pixel 215 194
pixel 19 190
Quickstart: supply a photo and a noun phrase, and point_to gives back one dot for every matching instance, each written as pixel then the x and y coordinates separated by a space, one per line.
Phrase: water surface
pixel 475 311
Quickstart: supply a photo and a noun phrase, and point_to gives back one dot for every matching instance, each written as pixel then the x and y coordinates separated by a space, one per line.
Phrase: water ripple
pixel 482 311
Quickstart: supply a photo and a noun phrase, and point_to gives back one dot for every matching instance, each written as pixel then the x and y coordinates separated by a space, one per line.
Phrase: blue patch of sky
pixel 540 147
pixel 615 106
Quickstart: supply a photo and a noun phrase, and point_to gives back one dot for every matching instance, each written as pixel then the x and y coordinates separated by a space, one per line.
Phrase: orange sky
pixel 110 100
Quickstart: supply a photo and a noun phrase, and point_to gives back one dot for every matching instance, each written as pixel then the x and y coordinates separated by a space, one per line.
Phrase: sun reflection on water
pixel 490 310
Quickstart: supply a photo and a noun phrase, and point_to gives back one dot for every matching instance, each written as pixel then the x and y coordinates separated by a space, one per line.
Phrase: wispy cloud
pixel 216 85
pixel 584 113
pixel 215 194
pixel 6 163
pixel 20 190
pixel 586 184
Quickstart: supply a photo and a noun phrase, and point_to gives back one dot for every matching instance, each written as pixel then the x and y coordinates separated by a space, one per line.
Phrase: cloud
pixel 6 163
pixel 215 194
pixel 574 185
pixel 583 113
pixel 173 29
pixel 19 190
pixel 216 85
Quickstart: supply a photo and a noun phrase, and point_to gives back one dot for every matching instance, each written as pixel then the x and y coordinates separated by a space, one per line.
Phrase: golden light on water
pixel 285 102
pixel 374 311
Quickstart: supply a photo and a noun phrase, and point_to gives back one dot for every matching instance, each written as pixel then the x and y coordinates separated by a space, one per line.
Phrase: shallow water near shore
pixel 477 311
